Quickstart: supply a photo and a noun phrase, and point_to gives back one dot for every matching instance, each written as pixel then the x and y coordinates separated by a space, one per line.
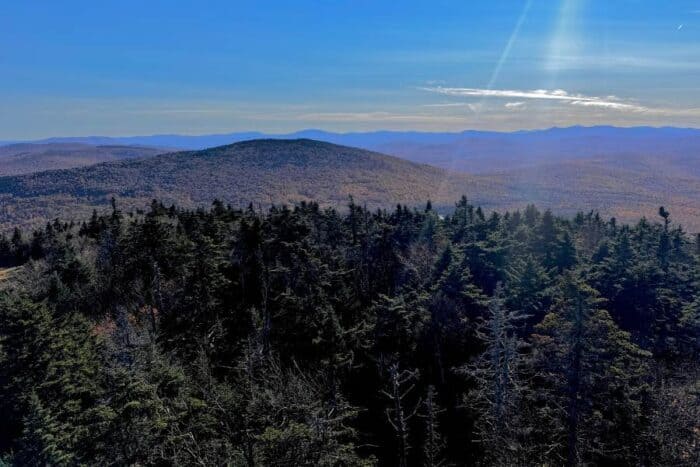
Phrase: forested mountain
pixel 309 336
pixel 262 172
pixel 29 158
pixel 487 152
pixel 266 172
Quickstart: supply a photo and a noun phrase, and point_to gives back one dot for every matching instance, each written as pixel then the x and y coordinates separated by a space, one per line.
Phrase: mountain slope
pixel 288 171
pixel 261 172
pixel 23 158
pixel 476 152
pixel 627 193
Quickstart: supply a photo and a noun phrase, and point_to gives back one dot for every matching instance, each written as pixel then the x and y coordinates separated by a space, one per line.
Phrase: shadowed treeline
pixel 303 336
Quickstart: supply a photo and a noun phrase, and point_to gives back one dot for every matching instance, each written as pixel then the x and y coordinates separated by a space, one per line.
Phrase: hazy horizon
pixel 77 68
pixel 341 133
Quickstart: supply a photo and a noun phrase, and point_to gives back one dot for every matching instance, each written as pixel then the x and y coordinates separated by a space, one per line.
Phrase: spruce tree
pixel 593 375
pixel 51 391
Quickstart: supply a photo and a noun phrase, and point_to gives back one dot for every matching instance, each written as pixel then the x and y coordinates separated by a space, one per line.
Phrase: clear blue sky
pixel 142 67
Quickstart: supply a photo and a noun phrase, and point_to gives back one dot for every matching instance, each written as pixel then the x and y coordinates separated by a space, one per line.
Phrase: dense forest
pixel 26 158
pixel 277 172
pixel 264 172
pixel 310 336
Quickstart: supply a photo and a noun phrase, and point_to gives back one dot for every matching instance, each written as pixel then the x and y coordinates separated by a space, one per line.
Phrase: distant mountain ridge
pixel 476 152
pixel 24 158
pixel 376 139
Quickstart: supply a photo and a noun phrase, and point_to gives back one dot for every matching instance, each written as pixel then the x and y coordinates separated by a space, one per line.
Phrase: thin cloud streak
pixel 611 105
pixel 610 102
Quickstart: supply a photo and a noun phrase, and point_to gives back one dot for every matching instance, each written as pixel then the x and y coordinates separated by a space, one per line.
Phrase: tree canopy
pixel 310 336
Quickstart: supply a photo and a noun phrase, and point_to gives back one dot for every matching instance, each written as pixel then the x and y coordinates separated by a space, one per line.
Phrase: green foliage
pixel 593 376
pixel 51 390
pixel 308 336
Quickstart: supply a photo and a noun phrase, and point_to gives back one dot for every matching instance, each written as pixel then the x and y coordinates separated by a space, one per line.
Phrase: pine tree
pixel 288 419
pixel 546 239
pixel 40 444
pixel 160 415
pixel 51 388
pixel 397 325
pixel 664 248
pixel 593 374
pixel 566 254
pixel 454 305
pixel 527 290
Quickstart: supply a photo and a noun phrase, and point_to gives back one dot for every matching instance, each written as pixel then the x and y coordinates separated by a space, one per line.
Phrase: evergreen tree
pixel 227 336
pixel 51 387
pixel 566 254
pixel 528 290
pixel 594 377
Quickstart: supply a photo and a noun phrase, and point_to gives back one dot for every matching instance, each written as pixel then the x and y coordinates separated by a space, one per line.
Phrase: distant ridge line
pixel 359 139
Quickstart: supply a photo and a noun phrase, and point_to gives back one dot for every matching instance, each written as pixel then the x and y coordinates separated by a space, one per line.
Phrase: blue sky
pixel 143 67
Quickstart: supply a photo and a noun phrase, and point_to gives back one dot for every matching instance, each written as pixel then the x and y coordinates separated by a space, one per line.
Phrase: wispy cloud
pixel 610 105
pixel 609 102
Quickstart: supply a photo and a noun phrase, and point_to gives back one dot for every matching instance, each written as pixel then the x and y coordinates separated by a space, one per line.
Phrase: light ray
pixel 565 42
pixel 511 40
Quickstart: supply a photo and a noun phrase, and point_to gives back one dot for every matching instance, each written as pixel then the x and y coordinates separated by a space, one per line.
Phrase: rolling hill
pixel 626 185
pixel 260 171
pixel 483 152
pixel 24 158
pixel 472 147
